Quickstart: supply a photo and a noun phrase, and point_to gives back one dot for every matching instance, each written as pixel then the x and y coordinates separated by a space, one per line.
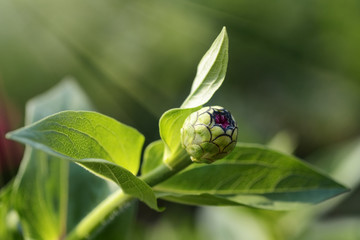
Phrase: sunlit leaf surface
pixel 99 143
pixel 256 176
pixel 210 73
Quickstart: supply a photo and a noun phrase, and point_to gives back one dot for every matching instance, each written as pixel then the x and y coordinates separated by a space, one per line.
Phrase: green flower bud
pixel 209 134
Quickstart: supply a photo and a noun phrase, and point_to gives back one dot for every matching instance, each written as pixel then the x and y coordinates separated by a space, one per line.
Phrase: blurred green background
pixel 293 65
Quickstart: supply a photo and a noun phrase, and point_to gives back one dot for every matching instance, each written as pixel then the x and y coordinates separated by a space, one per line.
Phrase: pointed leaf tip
pixel 83 134
pixel 210 73
pixel 8 135
pixel 255 176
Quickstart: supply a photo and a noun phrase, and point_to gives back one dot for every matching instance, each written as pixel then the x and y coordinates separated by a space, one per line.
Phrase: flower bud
pixel 209 134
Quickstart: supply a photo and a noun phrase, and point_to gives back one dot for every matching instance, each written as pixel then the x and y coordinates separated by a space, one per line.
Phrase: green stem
pixel 118 199
pixel 63 201
pixel 98 215
pixel 163 172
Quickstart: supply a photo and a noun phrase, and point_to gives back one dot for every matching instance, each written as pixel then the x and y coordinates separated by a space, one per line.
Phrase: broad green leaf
pixel 264 201
pixel 66 95
pixel 86 191
pixel 41 195
pixel 153 156
pixel 197 200
pixel 256 176
pixel 129 183
pixel 170 124
pixel 251 169
pixel 93 141
pixel 55 193
pixel 41 186
pixel 342 163
pixel 81 135
pixel 210 73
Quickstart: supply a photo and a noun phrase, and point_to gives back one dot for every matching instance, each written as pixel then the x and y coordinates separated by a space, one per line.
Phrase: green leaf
pixel 341 162
pixel 66 95
pixel 129 183
pixel 256 176
pixel 197 200
pixel 42 184
pixel 210 73
pixel 153 156
pixel 209 77
pixel 264 201
pixel 81 135
pixel 40 191
pixel 94 141
pixel 85 192
pixel 170 124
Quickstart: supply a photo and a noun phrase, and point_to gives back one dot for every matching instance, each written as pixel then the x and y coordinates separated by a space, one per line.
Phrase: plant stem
pixel 163 172
pixel 98 215
pixel 118 199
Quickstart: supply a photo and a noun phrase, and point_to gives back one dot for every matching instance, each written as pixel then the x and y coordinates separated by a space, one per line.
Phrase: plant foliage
pixel 252 175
